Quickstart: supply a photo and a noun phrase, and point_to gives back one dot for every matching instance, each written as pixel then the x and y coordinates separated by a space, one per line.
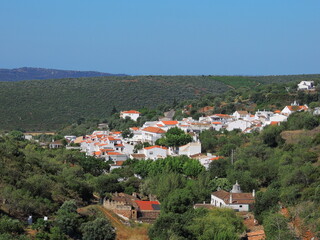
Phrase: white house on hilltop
pixel 306 85
pixel 133 114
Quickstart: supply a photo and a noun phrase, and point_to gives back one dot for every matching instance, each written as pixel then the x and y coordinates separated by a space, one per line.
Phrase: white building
pixel 238 124
pixel 241 114
pixel 190 149
pixel 235 199
pixel 155 152
pixel 152 134
pixel 306 85
pixel 295 107
pixel 133 114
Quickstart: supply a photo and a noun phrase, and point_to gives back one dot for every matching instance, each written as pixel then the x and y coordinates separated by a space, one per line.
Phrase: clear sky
pixel 169 37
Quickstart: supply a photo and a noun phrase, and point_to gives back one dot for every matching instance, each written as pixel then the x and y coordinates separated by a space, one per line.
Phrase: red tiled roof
pixel 216 123
pixel 156 146
pixel 119 145
pixel 153 130
pixel 107 150
pixel 277 111
pixel 146 205
pixel 297 108
pixel 135 128
pixel 274 123
pixel 131 111
pixel 170 122
pixel 223 115
pixel 237 198
pixel 216 158
pixel 114 153
pixel 97 153
pixel 118 163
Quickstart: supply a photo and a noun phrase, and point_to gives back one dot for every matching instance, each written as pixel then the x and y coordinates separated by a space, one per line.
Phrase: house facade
pixel 235 199
pixel 133 114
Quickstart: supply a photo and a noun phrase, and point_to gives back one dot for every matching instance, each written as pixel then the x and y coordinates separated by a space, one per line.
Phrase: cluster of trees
pixel 174 137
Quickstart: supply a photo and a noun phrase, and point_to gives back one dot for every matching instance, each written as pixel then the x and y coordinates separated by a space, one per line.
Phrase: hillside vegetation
pixel 28 73
pixel 52 104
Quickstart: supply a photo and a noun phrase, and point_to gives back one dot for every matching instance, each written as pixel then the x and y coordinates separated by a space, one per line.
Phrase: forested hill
pixel 51 104
pixel 27 73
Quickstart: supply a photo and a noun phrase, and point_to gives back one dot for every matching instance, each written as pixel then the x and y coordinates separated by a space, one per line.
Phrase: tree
pixel 99 229
pixel 178 201
pixel 174 137
pixel 67 218
pixel 276 227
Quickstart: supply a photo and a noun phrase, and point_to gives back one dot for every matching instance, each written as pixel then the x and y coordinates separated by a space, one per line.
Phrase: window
pixel 151 153
pixel 241 206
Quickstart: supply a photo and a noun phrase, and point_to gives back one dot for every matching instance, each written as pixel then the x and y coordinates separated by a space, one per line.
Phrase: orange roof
pixel 119 145
pixel 114 153
pixel 107 150
pixel 251 115
pixel 131 111
pixel 277 111
pixel 116 133
pixel 216 158
pixel 216 122
pixel 147 205
pixel 297 108
pixel 97 153
pixel 118 163
pixel 153 130
pixel 135 128
pixel 156 146
pixel 170 122
pixel 223 115
pixel 274 123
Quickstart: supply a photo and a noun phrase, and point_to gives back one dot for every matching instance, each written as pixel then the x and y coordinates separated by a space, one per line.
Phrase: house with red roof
pixel 152 134
pixel 133 114
pixel 133 207
pixel 295 107
pixel 235 199
pixel 154 152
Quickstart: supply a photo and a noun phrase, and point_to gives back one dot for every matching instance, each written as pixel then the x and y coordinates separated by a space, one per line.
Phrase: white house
pixel 235 199
pixel 190 149
pixel 278 118
pixel 238 124
pixel 133 114
pixel 151 134
pixel 306 85
pixel 293 108
pixel 241 114
pixel 154 152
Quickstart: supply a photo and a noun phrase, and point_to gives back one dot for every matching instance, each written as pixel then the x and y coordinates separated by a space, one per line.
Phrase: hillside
pixel 27 73
pixel 52 104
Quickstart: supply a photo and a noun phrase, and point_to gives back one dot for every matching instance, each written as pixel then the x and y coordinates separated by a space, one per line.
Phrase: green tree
pixel 99 229
pixel 67 218
pixel 276 227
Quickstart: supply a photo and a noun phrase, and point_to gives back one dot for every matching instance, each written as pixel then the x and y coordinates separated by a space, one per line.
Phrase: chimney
pixel 230 200
pixel 253 193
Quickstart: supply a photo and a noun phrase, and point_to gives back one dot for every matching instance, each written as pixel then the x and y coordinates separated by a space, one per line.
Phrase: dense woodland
pixel 281 163
pixel 52 104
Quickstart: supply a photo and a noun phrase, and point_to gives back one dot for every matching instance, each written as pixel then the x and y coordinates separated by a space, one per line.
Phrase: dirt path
pixel 125 232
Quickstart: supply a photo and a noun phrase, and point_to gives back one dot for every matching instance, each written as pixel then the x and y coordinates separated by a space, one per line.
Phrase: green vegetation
pixel 52 104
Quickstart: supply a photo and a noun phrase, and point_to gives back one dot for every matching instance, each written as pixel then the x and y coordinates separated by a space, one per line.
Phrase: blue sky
pixel 168 37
